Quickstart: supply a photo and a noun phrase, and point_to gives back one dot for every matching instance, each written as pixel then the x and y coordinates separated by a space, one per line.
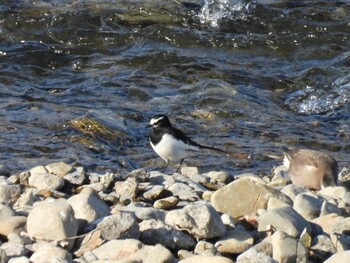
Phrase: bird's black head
pixel 159 120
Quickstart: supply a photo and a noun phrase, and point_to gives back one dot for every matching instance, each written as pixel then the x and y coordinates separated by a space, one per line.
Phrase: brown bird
pixel 310 169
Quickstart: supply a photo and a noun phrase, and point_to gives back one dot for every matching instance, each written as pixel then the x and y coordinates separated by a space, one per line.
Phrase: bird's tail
pixel 230 154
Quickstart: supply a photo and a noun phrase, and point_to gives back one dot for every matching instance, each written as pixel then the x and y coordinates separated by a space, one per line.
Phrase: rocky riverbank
pixel 62 213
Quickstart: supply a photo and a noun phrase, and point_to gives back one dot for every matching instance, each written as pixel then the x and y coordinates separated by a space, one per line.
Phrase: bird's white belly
pixel 173 150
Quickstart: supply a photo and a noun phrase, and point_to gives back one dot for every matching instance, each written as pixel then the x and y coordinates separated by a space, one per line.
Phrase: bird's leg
pixel 178 168
pixel 166 165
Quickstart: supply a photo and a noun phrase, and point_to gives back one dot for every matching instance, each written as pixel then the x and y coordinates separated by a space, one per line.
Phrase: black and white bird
pixel 172 144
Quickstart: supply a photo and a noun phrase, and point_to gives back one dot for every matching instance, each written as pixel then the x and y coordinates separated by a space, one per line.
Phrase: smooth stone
pixel 189 171
pixel 254 256
pixel 60 169
pixel 340 257
pixel 328 208
pixel 182 254
pixel 10 224
pixel 142 212
pixel 156 232
pixel 88 207
pixel 38 170
pixel 201 221
pixel 307 206
pixel 9 193
pixel 183 192
pixel 52 221
pixel 322 247
pixel 76 177
pixel 251 176
pixel 335 192
pixel 207 195
pixel 45 181
pixel 228 220
pixel 121 225
pixel 166 203
pixel 154 254
pixel 154 192
pixel 22 259
pixel 6 211
pixel 244 197
pixel 275 203
pixel 279 181
pixel 293 190
pixel 206 259
pixel 88 242
pixel 325 222
pixel 205 248
pixel 45 251
pixel 234 242
pixel 117 249
pixel 126 190
pixel 220 176
pixel 196 187
pixel 339 234
pixel 284 219
pixel 288 249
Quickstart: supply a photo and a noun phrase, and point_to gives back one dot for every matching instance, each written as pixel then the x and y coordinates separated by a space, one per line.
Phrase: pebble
pixel 206 259
pixel 45 251
pixel 307 206
pixel 166 203
pixel 183 192
pixel 254 256
pixel 154 192
pixel 76 177
pixel 9 192
pixel 45 181
pixel 234 242
pixel 60 169
pixel 12 224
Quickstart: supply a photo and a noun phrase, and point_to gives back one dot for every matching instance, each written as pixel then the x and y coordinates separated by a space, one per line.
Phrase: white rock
pixel 60 169
pixel 117 249
pixel 45 181
pixel 19 260
pixel 9 193
pixel 206 259
pixel 341 257
pixel 47 252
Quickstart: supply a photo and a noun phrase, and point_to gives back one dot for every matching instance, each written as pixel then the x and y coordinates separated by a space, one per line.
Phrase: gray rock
pixel 26 200
pixel 275 203
pixel 4 170
pixel 206 259
pixel 52 221
pixel 156 232
pixel 117 249
pixel 189 171
pixel 88 206
pixel 9 193
pixel 45 251
pixel 14 249
pixel 288 249
pixel 234 242
pixel 252 177
pixel 254 256
pixel 201 221
pixel 205 248
pixel 76 177
pixel 322 247
pixel 233 199
pixel 60 169
pixel 142 211
pixel 45 181
pixel 307 206
pixel 284 219
pixel 220 176
pixel 121 225
pixel 292 191
pixel 328 208
pixel 324 223
pixel 126 190
pixel 154 192
pixel 183 192
pixel 335 192
pixel 339 234
pixel 6 211
pixel 3 256
pixel 166 203
pixel 341 257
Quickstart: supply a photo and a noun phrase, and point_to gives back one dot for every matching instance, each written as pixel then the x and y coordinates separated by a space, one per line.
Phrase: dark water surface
pixel 79 80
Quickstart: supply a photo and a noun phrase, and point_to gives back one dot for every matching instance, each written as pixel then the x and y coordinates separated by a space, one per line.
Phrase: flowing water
pixel 79 80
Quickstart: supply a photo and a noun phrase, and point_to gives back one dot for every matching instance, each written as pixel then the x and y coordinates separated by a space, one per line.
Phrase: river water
pixel 79 80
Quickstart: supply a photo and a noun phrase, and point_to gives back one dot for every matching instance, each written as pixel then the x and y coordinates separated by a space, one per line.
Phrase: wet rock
pixel 12 224
pixel 284 219
pixel 52 221
pixel 156 232
pixel 254 256
pixel 307 206
pixel 183 192
pixel 166 203
pixel 117 249
pixel 325 223
pixel 121 225
pixel 234 242
pixel 341 257
pixel 154 192
pixel 288 249
pixel 202 221
pixel 60 169
pixel 322 247
pixel 142 211
pixel 293 190
pixel 88 206
pixel 76 177
pixel 234 200
pixel 126 190
pixel 206 259
pixel 9 192
pixel 45 181
pixel 205 248
pixel 340 234
pixel 45 251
